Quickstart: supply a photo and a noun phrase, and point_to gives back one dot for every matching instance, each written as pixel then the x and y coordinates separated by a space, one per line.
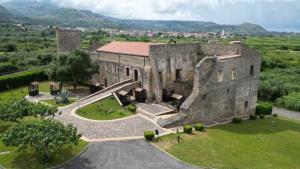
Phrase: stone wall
pixel 215 101
pixel 67 40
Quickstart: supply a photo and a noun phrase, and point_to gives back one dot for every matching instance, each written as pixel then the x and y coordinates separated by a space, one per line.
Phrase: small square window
pixel 228 91
pixel 178 74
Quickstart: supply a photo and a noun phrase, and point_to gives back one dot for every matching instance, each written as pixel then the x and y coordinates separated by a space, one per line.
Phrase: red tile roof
pixel 130 48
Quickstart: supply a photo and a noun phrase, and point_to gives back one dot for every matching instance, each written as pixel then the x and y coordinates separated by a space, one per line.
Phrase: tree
pixel 19 108
pixel 44 136
pixel 74 68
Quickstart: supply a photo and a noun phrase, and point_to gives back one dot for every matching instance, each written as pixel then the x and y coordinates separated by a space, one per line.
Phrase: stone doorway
pixel 135 75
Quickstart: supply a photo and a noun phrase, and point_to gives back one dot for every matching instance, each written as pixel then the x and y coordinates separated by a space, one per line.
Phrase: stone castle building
pixel 214 82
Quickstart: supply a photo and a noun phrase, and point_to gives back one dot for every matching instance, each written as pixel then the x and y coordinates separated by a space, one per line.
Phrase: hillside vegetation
pixel 280 76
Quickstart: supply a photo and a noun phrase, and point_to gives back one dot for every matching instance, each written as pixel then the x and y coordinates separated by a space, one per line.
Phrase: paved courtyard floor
pixel 133 154
pixel 131 127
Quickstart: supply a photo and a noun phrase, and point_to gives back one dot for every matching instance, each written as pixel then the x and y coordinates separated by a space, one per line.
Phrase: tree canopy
pixel 44 136
pixel 73 68
pixel 20 108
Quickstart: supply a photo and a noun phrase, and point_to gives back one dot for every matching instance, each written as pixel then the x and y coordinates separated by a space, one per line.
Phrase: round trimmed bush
pixel 264 108
pixel 149 135
pixel 261 116
pixel 237 119
pixel 187 129
pixel 275 115
pixel 131 108
pixel 199 127
pixel 253 117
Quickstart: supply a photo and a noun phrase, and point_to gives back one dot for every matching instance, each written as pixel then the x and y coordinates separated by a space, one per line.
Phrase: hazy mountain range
pixel 46 13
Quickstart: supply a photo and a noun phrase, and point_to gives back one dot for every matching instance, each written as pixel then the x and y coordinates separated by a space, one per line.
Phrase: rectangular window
pixel 127 71
pixel 252 70
pixel 106 66
pixel 220 76
pixel 178 74
pixel 160 76
pixel 233 74
pixel 246 104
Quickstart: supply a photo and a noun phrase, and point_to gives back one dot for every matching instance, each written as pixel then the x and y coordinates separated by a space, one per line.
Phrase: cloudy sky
pixel 283 15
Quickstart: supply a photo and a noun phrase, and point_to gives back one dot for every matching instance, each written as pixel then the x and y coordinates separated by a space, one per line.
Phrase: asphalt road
pixel 131 154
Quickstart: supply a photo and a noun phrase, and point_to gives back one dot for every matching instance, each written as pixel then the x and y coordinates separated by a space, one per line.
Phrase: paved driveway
pixel 133 154
pixel 287 113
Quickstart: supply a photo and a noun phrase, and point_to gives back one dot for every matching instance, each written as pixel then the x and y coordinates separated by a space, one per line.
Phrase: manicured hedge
pixel 253 117
pixel 264 108
pixel 199 127
pixel 261 116
pixel 7 68
pixel 131 108
pixel 237 119
pixel 149 135
pixel 187 129
pixel 21 79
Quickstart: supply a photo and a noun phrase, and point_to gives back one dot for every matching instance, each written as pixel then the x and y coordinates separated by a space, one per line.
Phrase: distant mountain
pixel 191 26
pixel 51 14
pixel 5 15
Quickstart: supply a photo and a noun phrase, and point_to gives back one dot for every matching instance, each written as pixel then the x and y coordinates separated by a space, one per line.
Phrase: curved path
pixel 134 154
pixel 128 128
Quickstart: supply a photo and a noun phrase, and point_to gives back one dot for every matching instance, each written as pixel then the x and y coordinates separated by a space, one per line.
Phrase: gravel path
pixel 133 154
pixel 287 113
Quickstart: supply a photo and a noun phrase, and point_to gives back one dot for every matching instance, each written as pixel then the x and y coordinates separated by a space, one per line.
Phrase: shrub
pixel 131 108
pixel 187 129
pixel 149 135
pixel 291 101
pixel 21 79
pixel 275 115
pixel 261 116
pixel 7 68
pixel 237 119
pixel 199 127
pixel 3 59
pixel 253 117
pixel 265 109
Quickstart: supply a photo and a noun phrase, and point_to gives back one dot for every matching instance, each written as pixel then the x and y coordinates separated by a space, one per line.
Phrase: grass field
pixel 107 109
pixel 53 102
pixel 27 159
pixel 261 144
pixel 43 87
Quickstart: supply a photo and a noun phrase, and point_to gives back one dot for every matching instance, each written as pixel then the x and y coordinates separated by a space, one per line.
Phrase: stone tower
pixel 67 40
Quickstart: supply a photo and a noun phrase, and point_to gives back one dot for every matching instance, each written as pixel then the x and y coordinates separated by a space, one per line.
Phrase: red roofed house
pixel 214 82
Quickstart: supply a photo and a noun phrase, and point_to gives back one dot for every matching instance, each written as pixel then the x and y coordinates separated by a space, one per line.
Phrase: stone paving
pixel 93 130
pixel 154 109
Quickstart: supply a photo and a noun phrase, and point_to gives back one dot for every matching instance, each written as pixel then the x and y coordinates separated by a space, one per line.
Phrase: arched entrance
pixel 135 75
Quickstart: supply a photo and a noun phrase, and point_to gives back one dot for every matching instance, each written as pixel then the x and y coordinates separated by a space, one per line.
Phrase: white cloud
pixel 272 14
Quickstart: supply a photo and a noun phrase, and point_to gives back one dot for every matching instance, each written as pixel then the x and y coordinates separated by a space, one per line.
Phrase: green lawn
pixel 53 102
pixel 43 87
pixel 261 144
pixel 107 109
pixel 27 159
